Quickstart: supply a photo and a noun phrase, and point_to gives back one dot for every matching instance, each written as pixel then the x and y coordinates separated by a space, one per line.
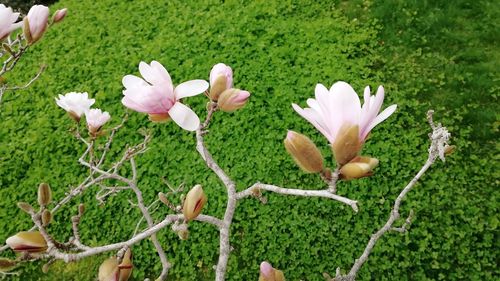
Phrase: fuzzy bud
pixel 7 265
pixel 449 149
pixel 59 15
pixel 233 99
pixel 110 270
pixel 268 273
pixel 46 217
pixel 194 202
pixel 359 167
pixel 347 144
pixel 221 79
pixel 44 194
pixel 25 207
pixel 304 152
pixel 81 209
pixel 159 118
pixel 26 241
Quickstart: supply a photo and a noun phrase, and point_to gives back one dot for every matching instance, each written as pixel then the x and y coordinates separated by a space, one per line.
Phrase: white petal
pixel 190 88
pixel 344 106
pixel 381 117
pixel 184 117
pixel 132 81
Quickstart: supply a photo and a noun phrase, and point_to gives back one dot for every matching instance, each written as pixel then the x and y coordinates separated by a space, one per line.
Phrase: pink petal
pixel 162 71
pixel 315 119
pixel 381 117
pixel 190 88
pixel 184 117
pixel 132 81
pixel 344 106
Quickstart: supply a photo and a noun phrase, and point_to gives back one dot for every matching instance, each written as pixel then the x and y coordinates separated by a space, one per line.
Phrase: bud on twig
pixel 359 167
pixel 268 273
pixel 59 15
pixel 7 48
pixel 110 270
pixel 194 202
pixel 81 209
pixel 44 194
pixel 25 207
pixel 46 217
pixel 7 265
pixel 347 144
pixel 25 241
pixel 232 99
pixel 304 152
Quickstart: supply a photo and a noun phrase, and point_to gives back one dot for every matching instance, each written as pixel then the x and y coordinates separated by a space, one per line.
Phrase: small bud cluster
pixel 228 98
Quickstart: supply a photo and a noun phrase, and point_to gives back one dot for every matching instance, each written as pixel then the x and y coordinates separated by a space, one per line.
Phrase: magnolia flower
pixel 96 119
pixel 337 113
pixel 75 104
pixel 7 21
pixel 35 23
pixel 221 79
pixel 155 95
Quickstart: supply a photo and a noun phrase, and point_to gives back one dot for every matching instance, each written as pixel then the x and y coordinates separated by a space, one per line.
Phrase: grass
pixel 427 54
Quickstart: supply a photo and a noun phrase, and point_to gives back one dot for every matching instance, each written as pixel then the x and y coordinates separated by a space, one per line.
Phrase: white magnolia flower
pixel 76 104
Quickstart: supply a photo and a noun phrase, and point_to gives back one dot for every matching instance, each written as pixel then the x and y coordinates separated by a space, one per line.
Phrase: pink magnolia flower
pixel 337 113
pixel 38 18
pixel 7 21
pixel 155 95
pixel 221 79
pixel 76 104
pixel 96 119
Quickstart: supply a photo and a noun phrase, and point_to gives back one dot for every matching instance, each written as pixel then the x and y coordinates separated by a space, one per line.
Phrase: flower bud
pixel 59 15
pixel 194 202
pixel 46 217
pixel 359 167
pixel 96 118
pixel 7 265
pixel 25 241
pixel 347 144
pixel 35 23
pixel 233 99
pixel 221 79
pixel 25 207
pixel 268 273
pixel 183 234
pixel 110 270
pixel 449 149
pixel 81 209
pixel 126 266
pixel 304 152
pixel 44 194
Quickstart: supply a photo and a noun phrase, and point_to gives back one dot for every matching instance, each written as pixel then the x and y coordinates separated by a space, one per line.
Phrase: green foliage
pixel 279 51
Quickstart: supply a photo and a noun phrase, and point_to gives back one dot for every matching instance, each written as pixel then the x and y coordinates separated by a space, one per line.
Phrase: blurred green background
pixel 428 54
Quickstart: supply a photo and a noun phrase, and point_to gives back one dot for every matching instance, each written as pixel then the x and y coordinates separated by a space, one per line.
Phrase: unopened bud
pixel 183 234
pixel 359 167
pixel 347 144
pixel 44 194
pixel 46 217
pixel 25 207
pixel 163 198
pixel 304 152
pixel 7 265
pixel 194 202
pixel 126 266
pixel 46 267
pixel 221 79
pixel 81 209
pixel 268 273
pixel 26 241
pixel 449 149
pixel 7 48
pixel 232 99
pixel 59 15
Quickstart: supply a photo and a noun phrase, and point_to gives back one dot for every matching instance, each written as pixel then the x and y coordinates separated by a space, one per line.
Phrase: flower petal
pixel 184 117
pixel 381 117
pixel 190 88
pixel 132 81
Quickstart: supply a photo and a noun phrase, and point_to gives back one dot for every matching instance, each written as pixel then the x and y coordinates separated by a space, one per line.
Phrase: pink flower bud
pixel 221 79
pixel 96 119
pixel 59 15
pixel 268 273
pixel 233 99
pixel 37 19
